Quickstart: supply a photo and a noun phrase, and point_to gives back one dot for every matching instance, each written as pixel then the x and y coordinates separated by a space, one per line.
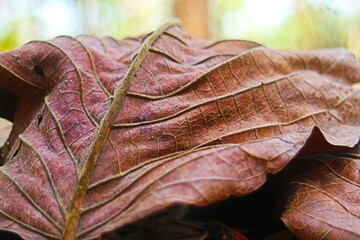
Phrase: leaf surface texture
pixel 120 129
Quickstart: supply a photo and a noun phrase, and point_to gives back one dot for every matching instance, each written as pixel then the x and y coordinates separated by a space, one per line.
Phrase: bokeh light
pixel 286 24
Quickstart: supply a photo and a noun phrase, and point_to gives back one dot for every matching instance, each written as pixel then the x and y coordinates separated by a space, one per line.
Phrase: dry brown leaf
pixel 5 129
pixel 324 197
pixel 118 130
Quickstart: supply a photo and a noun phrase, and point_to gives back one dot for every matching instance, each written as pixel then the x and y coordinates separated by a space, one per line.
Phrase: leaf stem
pixel 73 215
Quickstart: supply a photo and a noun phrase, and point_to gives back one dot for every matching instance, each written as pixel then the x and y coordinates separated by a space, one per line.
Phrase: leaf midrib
pixel 73 215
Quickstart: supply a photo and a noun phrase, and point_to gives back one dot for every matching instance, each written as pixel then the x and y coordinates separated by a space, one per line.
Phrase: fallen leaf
pixel 5 129
pixel 323 200
pixel 164 228
pixel 119 130
pixel 220 231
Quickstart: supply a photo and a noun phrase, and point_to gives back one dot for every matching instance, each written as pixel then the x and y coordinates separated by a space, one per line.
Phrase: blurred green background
pixel 285 24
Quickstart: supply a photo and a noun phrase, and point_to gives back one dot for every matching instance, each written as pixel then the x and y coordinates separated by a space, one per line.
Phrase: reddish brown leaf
pixel 130 127
pixel 220 231
pixel 324 198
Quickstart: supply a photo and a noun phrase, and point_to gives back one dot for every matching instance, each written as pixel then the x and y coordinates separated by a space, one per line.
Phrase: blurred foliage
pixel 309 24
pixel 286 24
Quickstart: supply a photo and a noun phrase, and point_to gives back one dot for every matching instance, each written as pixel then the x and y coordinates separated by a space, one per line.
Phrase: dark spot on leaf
pixel 17 151
pixel 38 69
pixel 39 119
